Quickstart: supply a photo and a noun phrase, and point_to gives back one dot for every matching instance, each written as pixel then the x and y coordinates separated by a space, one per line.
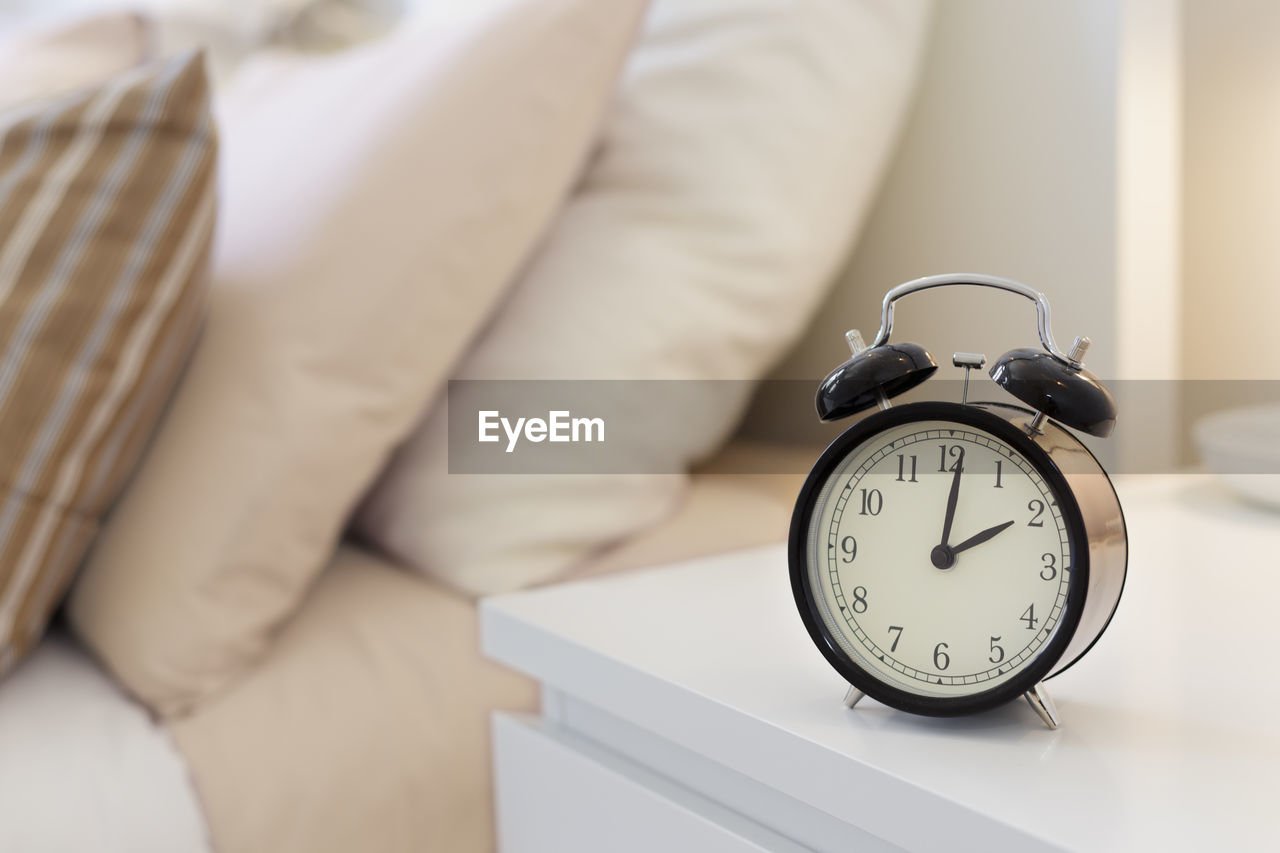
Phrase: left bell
pixel 859 383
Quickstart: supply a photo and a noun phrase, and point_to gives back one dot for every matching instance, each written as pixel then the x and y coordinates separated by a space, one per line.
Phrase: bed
pixel 372 710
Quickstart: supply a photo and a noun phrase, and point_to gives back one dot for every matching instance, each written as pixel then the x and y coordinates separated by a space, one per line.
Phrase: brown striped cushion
pixel 106 213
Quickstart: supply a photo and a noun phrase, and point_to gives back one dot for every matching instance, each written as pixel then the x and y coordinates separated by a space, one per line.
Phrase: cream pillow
pixel 229 31
pixel 49 58
pixel 376 204
pixel 743 151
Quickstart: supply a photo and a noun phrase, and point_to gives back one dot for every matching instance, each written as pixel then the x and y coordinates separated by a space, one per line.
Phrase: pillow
pixel 375 207
pixel 106 214
pixel 743 151
pixel 229 31
pixel 52 58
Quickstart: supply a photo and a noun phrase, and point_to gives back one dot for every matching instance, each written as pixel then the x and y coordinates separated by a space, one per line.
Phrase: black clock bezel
pixel 968 415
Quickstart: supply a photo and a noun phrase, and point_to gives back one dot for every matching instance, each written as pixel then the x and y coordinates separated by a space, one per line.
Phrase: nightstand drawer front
pixel 559 794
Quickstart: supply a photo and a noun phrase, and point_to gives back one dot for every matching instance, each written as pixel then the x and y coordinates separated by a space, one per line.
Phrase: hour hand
pixel 979 538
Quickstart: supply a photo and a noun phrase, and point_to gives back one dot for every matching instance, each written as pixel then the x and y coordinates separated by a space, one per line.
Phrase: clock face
pixel 938 557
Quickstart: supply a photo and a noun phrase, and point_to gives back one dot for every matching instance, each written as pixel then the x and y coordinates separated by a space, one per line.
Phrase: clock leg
pixel 853 697
pixel 1042 703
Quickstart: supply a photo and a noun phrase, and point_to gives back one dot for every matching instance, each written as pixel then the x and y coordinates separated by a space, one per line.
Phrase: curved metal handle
pixel 977 280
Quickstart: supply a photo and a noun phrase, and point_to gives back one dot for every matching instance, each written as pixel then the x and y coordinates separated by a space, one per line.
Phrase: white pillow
pixel 743 151
pixel 228 31
pixel 376 205
pixel 52 57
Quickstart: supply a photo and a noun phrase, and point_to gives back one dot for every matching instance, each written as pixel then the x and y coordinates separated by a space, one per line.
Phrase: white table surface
pixel 1169 738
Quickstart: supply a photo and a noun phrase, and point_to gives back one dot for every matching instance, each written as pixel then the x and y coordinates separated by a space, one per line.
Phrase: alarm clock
pixel 948 556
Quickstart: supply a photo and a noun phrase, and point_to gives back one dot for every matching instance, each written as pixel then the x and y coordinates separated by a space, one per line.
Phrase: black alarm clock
pixel 947 557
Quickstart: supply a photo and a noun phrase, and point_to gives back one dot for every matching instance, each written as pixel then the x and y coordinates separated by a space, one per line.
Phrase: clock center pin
pixel 942 557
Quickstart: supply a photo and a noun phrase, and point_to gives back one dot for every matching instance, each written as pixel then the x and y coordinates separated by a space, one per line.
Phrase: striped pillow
pixel 106 213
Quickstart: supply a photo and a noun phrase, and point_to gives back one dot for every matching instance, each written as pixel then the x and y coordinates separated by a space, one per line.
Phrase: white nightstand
pixel 684 708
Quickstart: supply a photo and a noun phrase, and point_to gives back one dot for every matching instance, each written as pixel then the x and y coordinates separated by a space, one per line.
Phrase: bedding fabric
pixel 742 152
pixel 229 31
pixel 106 214
pixel 375 206
pixel 365 727
pixel 55 57
pixel 83 767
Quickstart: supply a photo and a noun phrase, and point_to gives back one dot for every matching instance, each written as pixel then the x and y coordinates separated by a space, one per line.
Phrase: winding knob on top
pixel 1078 348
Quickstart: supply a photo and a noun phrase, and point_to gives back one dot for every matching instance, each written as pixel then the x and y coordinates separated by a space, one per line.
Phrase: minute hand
pixel 951 502
pixel 979 538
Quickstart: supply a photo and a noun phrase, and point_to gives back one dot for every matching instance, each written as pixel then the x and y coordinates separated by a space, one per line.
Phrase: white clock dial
pixel 932 608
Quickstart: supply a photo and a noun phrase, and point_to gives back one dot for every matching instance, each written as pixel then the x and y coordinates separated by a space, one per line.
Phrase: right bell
pixel 1069 395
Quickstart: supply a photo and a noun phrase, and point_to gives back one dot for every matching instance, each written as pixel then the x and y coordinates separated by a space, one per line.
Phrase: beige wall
pixel 1006 166
pixel 1232 189
pixel 1010 164
pixel 1040 147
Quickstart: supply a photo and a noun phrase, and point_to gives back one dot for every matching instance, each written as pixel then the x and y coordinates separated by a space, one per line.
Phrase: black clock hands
pixel 943 556
pixel 951 503
pixel 979 538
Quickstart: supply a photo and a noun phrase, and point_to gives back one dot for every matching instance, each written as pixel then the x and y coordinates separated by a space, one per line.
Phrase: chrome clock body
pixel 947 557
pixel 1089 574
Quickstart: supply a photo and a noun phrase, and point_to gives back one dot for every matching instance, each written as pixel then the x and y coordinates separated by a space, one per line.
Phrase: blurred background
pixel 1122 157
pixel 1119 155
